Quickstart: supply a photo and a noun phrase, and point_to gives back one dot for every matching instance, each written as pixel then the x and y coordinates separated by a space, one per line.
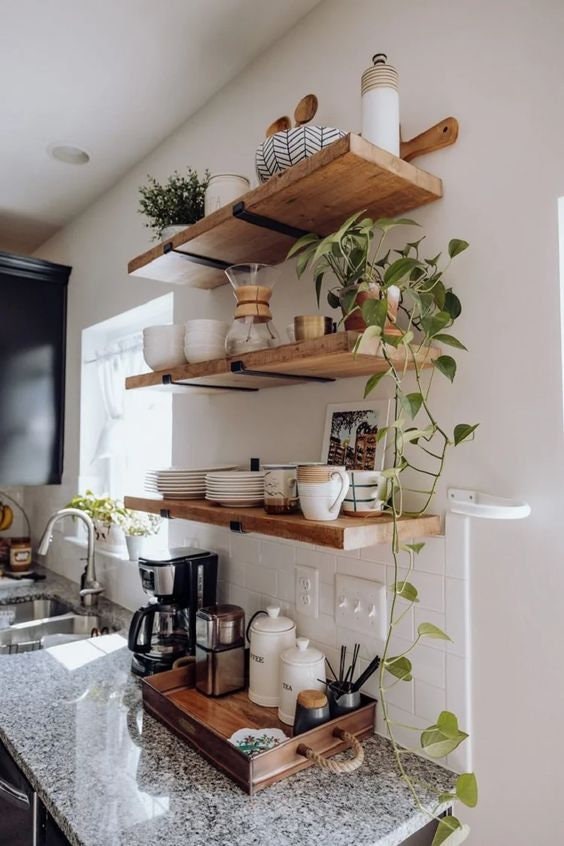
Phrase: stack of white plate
pixel 180 482
pixel 239 488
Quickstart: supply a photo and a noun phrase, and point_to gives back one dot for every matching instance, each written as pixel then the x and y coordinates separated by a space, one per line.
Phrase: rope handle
pixel 336 767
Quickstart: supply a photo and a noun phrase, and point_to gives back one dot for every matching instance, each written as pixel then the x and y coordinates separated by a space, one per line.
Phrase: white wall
pixel 496 65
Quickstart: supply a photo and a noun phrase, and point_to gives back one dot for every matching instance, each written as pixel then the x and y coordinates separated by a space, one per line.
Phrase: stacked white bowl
pixel 205 340
pixel 163 346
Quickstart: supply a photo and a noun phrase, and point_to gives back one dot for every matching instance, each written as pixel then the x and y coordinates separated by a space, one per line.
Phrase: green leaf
pixel 414 547
pixel 449 339
pixel 399 270
pixel 429 630
pixel 375 312
pixel 392 340
pixel 387 223
pixel 373 381
pixel 462 432
pixel 411 403
pixel 406 590
pixel 447 723
pixel 302 263
pixel 452 305
pixel 456 246
pixel 432 325
pixel 318 282
pixel 400 667
pixel 333 299
pixel 437 745
pixel 450 832
pixel 446 365
pixel 467 789
pixel 302 242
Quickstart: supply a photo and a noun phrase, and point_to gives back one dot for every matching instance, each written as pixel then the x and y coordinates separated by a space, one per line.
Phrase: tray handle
pixel 336 767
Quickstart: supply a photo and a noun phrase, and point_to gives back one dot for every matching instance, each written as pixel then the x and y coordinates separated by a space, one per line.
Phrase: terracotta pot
pixel 355 322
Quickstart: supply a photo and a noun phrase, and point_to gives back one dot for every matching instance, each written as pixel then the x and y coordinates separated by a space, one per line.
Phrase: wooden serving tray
pixel 207 723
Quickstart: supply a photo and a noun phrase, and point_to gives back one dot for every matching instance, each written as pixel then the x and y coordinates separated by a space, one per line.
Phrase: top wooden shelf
pixel 315 195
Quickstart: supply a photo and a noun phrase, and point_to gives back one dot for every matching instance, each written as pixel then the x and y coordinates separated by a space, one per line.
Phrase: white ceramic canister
pixel 380 105
pixel 269 636
pixel 224 188
pixel 300 669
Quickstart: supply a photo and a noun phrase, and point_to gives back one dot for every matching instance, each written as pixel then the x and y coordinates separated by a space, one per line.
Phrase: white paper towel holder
pixel 485 506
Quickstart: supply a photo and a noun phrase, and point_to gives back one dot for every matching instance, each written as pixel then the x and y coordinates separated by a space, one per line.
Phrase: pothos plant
pixel 356 254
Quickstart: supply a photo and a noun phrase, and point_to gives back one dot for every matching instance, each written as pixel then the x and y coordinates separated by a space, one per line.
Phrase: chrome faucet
pixel 90 587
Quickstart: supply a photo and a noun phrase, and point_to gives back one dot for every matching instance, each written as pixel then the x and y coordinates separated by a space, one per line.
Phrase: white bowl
pixel 194 356
pixel 169 330
pixel 206 326
pixel 163 359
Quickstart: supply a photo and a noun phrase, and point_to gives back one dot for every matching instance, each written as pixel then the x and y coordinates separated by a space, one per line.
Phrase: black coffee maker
pixel 180 581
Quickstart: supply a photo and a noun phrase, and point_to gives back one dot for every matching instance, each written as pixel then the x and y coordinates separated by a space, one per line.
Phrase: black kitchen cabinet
pixel 33 312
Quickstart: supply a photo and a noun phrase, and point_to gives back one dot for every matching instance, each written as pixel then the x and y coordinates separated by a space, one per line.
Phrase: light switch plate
pixel 307 591
pixel 360 605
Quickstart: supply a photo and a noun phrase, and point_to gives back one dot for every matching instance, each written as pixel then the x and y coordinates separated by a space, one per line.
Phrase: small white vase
pixel 134 546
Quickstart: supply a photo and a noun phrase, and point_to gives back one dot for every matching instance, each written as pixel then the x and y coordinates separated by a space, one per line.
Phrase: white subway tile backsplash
pixel 278 555
pixel 326 598
pixel 261 579
pixel 323 561
pixel 320 628
pixel 287 586
pixel 245 549
pixel 429 700
pixel 430 588
pixel 361 569
pixel 431 559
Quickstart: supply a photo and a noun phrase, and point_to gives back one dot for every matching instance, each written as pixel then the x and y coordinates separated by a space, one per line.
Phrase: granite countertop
pixel 110 775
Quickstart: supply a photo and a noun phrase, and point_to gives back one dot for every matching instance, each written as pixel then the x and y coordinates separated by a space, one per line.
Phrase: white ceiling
pixel 114 77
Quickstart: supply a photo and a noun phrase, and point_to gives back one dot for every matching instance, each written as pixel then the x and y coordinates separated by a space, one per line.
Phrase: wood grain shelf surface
pixel 343 533
pixel 315 195
pixel 331 357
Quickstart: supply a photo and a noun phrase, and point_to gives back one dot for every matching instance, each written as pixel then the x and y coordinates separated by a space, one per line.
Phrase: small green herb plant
pixel 102 509
pixel 179 200
pixel 355 254
pixel 140 524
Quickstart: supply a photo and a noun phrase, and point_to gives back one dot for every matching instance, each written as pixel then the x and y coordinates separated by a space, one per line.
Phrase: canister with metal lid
pixel 269 635
pixel 380 105
pixel 220 649
pixel 301 668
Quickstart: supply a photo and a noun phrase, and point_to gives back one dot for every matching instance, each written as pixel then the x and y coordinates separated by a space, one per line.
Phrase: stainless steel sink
pixel 26 637
pixel 34 609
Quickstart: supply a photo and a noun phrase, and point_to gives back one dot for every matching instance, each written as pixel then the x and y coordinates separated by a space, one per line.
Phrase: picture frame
pixel 349 437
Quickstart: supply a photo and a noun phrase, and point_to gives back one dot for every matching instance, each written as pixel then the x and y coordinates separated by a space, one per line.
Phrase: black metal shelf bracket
pixel 237 526
pixel 242 213
pixel 165 514
pixel 168 380
pixel 217 264
pixel 240 368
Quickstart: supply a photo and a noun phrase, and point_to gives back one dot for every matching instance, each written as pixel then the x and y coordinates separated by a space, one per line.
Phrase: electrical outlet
pixel 307 591
pixel 360 605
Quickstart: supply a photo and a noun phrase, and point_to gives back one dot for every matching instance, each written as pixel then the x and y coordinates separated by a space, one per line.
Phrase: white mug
pixel 367 492
pixel 322 501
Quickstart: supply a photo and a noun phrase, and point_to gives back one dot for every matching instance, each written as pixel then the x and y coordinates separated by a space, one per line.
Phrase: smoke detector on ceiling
pixel 68 153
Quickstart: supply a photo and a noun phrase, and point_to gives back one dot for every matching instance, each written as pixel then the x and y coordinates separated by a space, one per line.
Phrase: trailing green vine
pixel 409 311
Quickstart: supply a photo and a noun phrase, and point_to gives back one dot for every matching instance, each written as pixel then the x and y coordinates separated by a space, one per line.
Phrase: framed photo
pixel 350 434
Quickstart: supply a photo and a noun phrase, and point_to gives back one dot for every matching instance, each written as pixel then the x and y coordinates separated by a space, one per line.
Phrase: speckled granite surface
pixel 112 776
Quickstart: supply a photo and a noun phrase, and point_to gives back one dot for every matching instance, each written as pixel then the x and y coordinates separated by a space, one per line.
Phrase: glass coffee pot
pixel 252 327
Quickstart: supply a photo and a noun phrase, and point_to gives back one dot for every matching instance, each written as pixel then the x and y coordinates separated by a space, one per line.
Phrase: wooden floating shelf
pixel 343 533
pixel 330 357
pixel 316 195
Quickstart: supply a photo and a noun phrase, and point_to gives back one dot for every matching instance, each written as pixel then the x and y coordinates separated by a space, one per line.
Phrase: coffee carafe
pixel 179 582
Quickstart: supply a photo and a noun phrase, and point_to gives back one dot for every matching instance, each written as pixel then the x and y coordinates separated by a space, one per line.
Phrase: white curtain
pixel 122 358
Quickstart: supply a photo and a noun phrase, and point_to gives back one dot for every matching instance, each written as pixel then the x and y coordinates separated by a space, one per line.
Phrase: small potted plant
pixel 174 205
pixel 106 514
pixel 137 525
pixel 355 256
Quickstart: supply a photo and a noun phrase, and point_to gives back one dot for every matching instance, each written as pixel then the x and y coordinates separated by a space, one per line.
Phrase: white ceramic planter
pixel 134 545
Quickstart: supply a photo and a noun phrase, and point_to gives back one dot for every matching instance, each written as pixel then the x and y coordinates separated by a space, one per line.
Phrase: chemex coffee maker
pixel 180 581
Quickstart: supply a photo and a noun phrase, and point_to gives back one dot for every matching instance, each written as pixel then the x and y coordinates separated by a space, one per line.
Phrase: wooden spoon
pixel 279 125
pixel 306 109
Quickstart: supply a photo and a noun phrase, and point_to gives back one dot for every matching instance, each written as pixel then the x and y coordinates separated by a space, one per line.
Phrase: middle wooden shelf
pixel 325 359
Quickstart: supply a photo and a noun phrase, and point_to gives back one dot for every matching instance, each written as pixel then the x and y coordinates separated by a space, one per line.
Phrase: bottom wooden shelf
pixel 343 533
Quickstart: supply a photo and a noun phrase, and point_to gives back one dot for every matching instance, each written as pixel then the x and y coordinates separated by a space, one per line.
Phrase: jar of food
pixel 301 668
pixel 269 635
pixel 20 554
pixel 224 188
